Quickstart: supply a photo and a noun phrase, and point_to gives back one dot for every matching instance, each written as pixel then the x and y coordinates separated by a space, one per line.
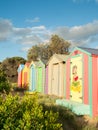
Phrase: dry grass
pixel 69 120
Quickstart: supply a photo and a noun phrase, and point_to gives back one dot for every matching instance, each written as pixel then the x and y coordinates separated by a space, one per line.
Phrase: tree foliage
pixel 4 84
pixel 45 51
pixel 59 45
pixel 10 65
pixel 33 53
pixel 26 114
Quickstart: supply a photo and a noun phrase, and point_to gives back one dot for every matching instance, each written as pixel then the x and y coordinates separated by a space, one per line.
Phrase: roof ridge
pixel 88 48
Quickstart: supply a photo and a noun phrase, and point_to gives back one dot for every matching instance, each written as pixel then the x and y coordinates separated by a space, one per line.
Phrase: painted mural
pixel 76 79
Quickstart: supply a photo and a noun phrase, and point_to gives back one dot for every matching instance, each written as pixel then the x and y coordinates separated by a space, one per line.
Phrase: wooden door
pixel 32 79
pixel 46 81
pixel 19 79
pixel 55 80
pixel 76 80
pixel 39 80
pixel 25 79
pixel 30 88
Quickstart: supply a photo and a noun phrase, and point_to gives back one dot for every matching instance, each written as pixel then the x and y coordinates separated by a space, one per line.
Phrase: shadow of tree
pixel 71 121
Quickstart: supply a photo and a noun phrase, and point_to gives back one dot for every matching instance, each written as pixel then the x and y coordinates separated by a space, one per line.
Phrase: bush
pixel 4 84
pixel 26 114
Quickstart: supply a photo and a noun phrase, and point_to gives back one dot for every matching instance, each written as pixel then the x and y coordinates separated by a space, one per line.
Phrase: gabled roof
pixel 90 50
pixel 37 63
pixel 27 64
pixel 20 68
pixel 60 57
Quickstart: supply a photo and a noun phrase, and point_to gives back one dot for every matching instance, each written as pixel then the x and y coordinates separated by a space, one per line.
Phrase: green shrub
pixel 26 114
pixel 4 84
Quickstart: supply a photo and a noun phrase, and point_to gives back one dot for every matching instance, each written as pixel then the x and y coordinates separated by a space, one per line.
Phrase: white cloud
pixel 25 49
pixel 78 1
pixel 25 36
pixel 82 1
pixel 21 31
pixel 83 34
pixel 77 35
pixel 29 40
pixel 35 20
pixel 39 30
pixel 5 29
pixel 33 35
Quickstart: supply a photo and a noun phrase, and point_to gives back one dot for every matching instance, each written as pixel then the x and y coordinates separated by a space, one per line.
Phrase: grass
pixel 67 118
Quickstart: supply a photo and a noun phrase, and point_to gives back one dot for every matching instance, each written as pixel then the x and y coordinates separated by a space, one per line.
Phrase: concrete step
pixel 77 108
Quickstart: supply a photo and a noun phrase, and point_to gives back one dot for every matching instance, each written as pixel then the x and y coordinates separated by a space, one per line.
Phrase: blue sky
pixel 24 23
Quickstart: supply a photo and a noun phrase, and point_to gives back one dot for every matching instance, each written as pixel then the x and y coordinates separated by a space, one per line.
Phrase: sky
pixel 25 23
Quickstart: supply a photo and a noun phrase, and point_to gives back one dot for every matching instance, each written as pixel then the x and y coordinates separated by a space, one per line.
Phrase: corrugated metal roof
pixel 90 50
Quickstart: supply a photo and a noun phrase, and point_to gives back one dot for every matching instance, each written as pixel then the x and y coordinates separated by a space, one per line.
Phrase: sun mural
pixel 75 85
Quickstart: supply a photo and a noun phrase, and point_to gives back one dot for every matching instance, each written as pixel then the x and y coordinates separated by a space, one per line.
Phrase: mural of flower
pixel 75 85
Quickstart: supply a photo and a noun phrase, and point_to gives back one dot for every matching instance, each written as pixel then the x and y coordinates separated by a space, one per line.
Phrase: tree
pixel 10 66
pixel 45 51
pixel 4 84
pixel 33 53
pixel 59 45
